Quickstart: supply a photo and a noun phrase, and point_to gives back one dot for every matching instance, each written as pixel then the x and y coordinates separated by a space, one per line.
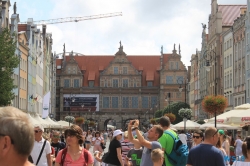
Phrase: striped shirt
pixel 126 146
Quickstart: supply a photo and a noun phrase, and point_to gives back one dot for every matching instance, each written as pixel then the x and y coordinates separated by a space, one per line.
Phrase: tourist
pixel 16 137
pixel 88 139
pixel 238 146
pixel 225 142
pixel 134 155
pixel 126 146
pixel 246 154
pixel 56 144
pixel 74 154
pixel 41 148
pixel 183 137
pixel 153 135
pixel 197 138
pixel 206 154
pixel 96 141
pixel 157 156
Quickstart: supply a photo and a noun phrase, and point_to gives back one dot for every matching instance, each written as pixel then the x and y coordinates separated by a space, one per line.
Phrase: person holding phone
pixel 96 141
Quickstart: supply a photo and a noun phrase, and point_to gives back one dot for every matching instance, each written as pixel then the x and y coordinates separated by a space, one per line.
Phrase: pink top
pixel 79 162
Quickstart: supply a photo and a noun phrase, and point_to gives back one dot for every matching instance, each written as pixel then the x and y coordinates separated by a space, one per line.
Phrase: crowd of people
pixel 22 144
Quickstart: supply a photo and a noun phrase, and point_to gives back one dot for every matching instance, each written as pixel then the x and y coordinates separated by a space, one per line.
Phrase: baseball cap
pixel 117 132
pixel 221 132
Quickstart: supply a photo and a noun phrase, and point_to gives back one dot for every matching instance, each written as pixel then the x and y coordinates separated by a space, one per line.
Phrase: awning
pixel 91 76
pixel 150 76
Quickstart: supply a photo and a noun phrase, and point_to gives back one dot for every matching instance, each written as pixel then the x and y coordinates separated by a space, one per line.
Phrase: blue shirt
pixel 205 155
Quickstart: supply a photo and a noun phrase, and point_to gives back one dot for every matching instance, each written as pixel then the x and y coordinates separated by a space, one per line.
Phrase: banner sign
pixel 46 105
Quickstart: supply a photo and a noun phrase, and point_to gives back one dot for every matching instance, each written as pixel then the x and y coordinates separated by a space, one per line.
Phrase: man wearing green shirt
pixel 166 140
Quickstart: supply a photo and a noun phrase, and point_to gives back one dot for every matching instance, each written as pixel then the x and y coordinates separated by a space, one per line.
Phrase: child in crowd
pixel 135 155
pixel 157 156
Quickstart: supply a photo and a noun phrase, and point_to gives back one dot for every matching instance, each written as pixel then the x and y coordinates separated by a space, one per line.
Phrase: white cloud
pixel 143 28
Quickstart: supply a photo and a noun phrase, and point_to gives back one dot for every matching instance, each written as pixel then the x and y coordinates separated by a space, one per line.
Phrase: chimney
pixel 44 32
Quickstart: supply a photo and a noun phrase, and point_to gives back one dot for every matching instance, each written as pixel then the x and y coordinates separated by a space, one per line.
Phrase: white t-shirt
pixel 183 138
pixel 89 138
pixel 241 163
pixel 36 151
pixel 97 140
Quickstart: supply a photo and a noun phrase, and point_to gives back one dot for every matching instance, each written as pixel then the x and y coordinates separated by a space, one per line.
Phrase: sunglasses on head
pixel 197 137
pixel 36 131
pixel 215 132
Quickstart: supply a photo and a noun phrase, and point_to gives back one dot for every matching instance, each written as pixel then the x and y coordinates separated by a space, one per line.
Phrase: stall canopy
pixel 33 121
pixel 239 116
pixel 64 123
pixel 52 124
pixel 110 127
pixel 218 126
pixel 189 125
pixel 42 121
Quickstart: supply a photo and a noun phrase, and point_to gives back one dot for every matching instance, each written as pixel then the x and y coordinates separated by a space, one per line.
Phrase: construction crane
pixel 74 19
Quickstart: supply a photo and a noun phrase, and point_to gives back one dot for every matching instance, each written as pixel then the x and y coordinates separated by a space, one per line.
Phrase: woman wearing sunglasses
pixel 197 138
pixel 74 154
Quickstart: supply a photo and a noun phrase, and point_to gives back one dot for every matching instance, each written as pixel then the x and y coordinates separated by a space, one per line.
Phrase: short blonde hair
pixel 157 154
pixel 16 124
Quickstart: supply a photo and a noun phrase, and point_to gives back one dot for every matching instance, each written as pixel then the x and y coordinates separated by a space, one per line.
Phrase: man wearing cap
pixel 206 154
pixel 153 135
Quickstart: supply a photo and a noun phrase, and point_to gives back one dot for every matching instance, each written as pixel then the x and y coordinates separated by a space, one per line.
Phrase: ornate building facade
pixel 118 87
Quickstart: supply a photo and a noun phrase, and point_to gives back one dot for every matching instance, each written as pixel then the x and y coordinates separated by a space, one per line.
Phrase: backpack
pixel 64 152
pixel 179 153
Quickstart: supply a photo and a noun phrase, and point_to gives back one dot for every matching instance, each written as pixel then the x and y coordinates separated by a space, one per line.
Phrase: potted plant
pixel 185 113
pixel 214 104
pixel 69 119
pixel 171 117
pixel 153 121
pixel 79 120
pixel 92 123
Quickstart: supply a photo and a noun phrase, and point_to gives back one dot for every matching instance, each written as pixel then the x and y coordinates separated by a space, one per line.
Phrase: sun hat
pixel 221 132
pixel 117 132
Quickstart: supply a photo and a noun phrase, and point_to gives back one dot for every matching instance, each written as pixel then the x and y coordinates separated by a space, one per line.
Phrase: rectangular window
pixel 125 70
pixel 171 65
pixel 115 70
pixel 177 65
pixel 231 80
pixel 179 80
pixel 144 102
pixel 68 70
pixel 66 83
pixel 114 102
pixel 169 79
pixel 91 83
pixel 153 101
pixel 57 83
pixel 125 83
pixel 149 83
pixel 134 102
pixel 57 101
pixel 225 65
pixel 248 61
pixel 125 102
pixel 105 102
pixel 76 83
pixel 115 83
pixel 230 42
pixel 235 102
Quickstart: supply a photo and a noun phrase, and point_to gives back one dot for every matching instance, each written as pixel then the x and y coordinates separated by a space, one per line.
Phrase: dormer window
pixel 115 70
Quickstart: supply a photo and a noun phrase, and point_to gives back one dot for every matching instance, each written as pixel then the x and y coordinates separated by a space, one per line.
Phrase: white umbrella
pixel 110 126
pixel 189 125
pixel 218 126
pixel 224 118
pixel 52 123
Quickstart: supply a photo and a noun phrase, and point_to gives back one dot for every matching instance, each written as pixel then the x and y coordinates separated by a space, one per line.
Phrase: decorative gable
pixel 71 67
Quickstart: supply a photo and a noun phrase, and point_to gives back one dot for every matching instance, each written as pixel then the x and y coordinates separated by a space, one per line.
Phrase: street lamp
pixel 180 82
pixel 154 110
pixel 167 98
pixel 80 110
pixel 210 55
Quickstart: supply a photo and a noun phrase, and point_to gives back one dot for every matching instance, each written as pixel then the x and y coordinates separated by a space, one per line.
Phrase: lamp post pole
pixel 82 110
pixel 168 98
pixel 208 55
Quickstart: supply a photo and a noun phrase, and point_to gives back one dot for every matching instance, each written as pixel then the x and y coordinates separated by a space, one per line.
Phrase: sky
pixel 145 25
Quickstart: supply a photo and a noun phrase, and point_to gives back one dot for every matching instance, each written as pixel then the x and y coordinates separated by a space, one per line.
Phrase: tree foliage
pixel 8 61
pixel 174 108
pixel 158 114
